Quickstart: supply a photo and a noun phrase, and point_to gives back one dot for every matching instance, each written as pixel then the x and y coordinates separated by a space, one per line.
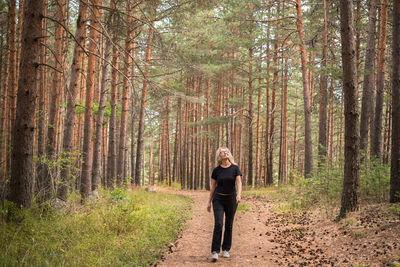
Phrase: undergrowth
pixel 120 229
pixel 324 188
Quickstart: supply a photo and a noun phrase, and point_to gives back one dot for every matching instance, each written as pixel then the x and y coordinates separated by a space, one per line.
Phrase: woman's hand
pixel 209 207
pixel 238 198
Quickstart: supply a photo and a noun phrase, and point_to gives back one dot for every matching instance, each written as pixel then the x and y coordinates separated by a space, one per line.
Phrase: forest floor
pixel 263 237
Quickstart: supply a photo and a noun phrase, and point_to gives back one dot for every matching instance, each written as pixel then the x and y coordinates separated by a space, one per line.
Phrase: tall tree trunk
pixel 198 143
pixel 112 146
pixel 323 99
pixel 5 109
pixel 62 190
pixel 22 155
pixel 140 142
pixel 125 99
pixel 133 122
pixel 96 172
pixel 151 178
pixel 284 119
pixel 395 161
pixel 293 152
pixel 12 71
pixel 369 79
pixel 267 116
pixel 78 131
pixel 387 137
pixel 183 157
pixel 308 160
pixel 42 112
pixel 177 142
pixel 250 118
pixel 208 143
pixel 191 134
pixel 331 124
pixel 47 184
pixel 376 149
pixel 258 139
pixel 358 32
pixel 88 127
pixel 270 163
pixel 351 181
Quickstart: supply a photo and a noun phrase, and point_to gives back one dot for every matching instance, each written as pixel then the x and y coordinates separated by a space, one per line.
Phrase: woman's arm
pixel 212 189
pixel 238 188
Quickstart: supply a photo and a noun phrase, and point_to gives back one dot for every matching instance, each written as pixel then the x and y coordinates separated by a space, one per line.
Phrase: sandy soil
pixel 264 238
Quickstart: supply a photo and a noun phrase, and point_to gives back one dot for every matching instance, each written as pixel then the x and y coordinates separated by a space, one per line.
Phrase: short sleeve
pixel 238 172
pixel 214 174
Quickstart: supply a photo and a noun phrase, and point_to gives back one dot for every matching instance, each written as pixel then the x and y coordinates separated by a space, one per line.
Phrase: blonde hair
pixel 218 159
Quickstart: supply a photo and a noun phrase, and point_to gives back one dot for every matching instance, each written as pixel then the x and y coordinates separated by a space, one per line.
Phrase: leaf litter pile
pixel 369 237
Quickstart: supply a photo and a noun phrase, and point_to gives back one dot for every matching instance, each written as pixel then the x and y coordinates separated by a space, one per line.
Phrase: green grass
pixel 243 207
pixel 120 231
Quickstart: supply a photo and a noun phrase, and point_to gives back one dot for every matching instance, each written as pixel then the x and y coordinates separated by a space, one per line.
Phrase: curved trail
pixel 249 243
pixel 262 237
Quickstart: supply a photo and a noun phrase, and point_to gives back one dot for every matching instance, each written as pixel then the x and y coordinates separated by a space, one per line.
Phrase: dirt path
pixel 249 245
pixel 264 238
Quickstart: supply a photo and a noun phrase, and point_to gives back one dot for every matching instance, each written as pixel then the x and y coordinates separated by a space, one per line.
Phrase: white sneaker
pixel 214 256
pixel 225 254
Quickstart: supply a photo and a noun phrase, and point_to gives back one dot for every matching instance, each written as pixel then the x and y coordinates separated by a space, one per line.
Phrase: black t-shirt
pixel 226 178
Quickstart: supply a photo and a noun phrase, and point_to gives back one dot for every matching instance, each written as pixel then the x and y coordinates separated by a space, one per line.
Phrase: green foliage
pixel 95 108
pixel 243 207
pixel 324 188
pixel 119 193
pixel 107 110
pixel 132 231
pixel 374 181
pixel 80 107
pixel 62 161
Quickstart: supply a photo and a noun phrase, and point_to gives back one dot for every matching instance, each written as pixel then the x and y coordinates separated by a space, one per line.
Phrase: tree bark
pixel 323 99
pixel 387 132
pixel 395 161
pixel 331 123
pixel 358 32
pixel 270 163
pixel 294 146
pixel 258 132
pixel 125 99
pixel 376 149
pixel 96 172
pixel 369 79
pixel 47 181
pixel 351 182
pixel 5 108
pixel 12 71
pixel 267 116
pixel 208 143
pixel 22 155
pixel 42 86
pixel 250 118
pixel 284 119
pixel 112 146
pixel 308 160
pixel 133 122
pixel 140 142
pixel 62 190
pixel 88 126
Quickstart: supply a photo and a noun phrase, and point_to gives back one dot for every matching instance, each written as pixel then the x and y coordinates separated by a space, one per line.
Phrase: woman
pixel 225 199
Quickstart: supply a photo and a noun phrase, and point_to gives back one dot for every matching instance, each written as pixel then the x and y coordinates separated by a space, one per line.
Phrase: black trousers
pixel 221 205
